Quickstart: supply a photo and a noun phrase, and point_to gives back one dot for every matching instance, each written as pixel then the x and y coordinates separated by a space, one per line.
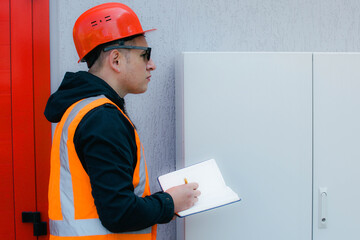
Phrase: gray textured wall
pixel 205 25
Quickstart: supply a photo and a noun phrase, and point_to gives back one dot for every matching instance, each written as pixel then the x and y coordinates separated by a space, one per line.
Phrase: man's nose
pixel 150 65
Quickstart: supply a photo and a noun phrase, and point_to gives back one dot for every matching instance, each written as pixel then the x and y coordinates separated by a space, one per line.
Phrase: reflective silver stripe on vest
pixel 140 188
pixel 82 227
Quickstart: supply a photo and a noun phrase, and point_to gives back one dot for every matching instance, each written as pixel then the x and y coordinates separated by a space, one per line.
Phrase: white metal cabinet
pixel 252 112
pixel 278 124
pixel 337 146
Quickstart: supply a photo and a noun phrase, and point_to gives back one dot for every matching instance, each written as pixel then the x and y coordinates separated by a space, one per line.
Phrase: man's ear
pixel 115 60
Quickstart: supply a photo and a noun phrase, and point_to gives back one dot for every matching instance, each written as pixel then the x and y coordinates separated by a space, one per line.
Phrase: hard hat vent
pixel 95 23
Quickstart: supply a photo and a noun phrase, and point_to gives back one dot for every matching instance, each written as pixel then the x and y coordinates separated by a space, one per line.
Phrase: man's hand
pixel 184 196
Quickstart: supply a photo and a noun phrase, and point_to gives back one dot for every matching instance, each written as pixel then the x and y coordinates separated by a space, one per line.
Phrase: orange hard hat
pixel 104 23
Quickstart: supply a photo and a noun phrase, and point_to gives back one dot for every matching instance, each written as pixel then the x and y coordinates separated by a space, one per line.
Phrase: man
pixel 99 186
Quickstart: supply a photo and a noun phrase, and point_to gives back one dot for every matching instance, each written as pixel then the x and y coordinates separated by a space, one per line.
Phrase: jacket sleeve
pixel 105 143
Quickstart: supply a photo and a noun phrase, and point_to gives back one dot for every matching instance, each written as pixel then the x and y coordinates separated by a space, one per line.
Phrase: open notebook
pixel 214 192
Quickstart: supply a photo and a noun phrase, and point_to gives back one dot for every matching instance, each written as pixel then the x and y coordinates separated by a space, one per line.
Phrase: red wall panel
pixel 41 46
pixel 25 135
pixel 22 114
pixel 7 230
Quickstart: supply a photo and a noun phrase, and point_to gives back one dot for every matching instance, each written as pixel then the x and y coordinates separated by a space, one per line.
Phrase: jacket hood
pixel 74 87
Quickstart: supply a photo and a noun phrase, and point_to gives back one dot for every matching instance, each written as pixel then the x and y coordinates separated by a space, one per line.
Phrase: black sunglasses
pixel 147 53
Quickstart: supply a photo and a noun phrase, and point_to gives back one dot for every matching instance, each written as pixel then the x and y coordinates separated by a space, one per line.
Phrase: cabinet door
pixel 336 146
pixel 252 112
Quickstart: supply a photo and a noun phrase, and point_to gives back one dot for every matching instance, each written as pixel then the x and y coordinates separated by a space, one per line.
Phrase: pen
pixel 186 181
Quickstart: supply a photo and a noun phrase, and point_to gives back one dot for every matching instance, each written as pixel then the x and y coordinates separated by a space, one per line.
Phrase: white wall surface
pixel 205 25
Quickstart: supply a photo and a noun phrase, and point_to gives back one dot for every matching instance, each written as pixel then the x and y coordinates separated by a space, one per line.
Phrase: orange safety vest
pixel 72 212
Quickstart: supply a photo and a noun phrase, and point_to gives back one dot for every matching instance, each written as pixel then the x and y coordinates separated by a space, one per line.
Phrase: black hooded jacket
pixel 105 143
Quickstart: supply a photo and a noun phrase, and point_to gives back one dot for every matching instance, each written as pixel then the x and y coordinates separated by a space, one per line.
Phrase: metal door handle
pixel 323 195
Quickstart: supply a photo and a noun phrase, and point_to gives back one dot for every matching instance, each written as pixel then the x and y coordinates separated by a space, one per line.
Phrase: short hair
pixel 94 54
